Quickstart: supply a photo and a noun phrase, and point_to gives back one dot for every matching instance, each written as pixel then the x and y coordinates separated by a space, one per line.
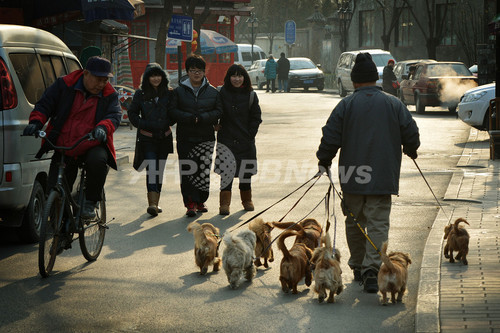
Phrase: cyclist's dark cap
pixel 99 66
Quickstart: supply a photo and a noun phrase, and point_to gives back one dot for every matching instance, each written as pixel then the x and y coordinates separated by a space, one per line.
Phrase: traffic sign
pixel 290 32
pixel 181 28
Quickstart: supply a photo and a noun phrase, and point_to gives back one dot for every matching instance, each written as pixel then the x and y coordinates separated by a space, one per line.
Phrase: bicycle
pixel 62 217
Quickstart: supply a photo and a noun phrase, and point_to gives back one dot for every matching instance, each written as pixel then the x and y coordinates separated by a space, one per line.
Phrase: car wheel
pixel 306 88
pixel 452 109
pixel 29 231
pixel 342 91
pixel 320 88
pixel 419 106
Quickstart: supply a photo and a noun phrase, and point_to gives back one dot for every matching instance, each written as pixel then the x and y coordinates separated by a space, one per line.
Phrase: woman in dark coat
pixel 237 130
pixel 149 113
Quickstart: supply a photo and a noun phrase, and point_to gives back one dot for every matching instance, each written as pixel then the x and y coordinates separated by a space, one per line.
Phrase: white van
pixel 346 62
pixel 244 55
pixel 30 61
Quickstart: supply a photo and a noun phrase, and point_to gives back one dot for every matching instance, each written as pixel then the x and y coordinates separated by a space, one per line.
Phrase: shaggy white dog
pixel 237 256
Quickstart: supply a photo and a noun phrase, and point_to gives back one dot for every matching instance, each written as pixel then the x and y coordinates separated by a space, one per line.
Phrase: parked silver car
pixel 474 105
pixel 256 73
pixel 30 61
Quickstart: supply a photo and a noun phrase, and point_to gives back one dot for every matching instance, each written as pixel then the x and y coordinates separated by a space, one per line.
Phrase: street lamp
pixel 345 15
pixel 252 22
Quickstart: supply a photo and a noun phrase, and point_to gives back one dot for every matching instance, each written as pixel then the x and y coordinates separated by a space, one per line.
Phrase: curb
pixel 428 298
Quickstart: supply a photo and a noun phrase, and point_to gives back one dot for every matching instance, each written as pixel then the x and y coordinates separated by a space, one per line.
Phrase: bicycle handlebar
pixel 43 135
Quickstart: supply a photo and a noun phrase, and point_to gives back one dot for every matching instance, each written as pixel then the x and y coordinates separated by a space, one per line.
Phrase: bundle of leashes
pixel 327 198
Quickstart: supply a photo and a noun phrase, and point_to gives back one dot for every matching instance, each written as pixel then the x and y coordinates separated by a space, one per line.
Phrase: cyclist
pixel 81 102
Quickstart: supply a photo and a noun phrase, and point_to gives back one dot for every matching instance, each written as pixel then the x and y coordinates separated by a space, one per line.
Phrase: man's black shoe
pixel 357 275
pixel 88 211
pixel 370 284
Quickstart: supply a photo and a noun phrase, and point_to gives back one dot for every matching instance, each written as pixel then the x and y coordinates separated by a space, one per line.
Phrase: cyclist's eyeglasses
pixel 196 71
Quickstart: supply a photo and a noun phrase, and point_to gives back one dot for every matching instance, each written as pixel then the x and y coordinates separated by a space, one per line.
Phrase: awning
pixel 94 10
pixel 50 12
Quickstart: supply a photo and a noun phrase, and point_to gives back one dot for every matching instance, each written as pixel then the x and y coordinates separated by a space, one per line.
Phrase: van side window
pixel 30 75
pixel 246 56
pixel 262 56
pixel 48 71
pixel 73 65
pixel 58 64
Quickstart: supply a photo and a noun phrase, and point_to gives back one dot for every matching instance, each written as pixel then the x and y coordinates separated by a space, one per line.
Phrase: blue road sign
pixel 181 28
pixel 290 32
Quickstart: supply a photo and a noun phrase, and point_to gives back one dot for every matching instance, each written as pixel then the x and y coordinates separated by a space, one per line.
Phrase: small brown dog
pixel 457 240
pixel 263 247
pixel 312 231
pixel 295 264
pixel 206 249
pixel 393 274
pixel 327 271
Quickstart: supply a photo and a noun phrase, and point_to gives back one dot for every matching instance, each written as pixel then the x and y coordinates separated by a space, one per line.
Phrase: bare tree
pixel 161 36
pixel 188 8
pixel 394 13
pixel 434 32
pixel 471 30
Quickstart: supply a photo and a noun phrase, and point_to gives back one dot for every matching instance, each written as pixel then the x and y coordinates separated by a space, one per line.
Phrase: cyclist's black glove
pixel 32 128
pixel 99 133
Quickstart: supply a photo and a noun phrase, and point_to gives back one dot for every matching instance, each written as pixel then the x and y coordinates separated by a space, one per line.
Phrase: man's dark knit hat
pixel 364 69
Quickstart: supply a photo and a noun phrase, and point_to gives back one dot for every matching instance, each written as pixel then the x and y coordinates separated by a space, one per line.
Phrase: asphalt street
pixel 146 280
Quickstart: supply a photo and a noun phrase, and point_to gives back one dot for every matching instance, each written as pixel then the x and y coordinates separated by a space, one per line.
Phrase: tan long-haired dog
pixel 327 271
pixel 263 246
pixel 295 264
pixel 312 231
pixel 206 251
pixel 393 274
pixel 457 240
pixel 237 256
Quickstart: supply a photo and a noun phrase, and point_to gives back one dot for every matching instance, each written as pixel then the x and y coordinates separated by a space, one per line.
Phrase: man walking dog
pixel 369 127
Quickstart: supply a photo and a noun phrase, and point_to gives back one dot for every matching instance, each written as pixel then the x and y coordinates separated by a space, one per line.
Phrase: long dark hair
pixel 147 88
pixel 237 69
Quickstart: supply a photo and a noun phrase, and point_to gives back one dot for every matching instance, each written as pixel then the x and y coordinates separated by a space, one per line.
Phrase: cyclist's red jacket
pixel 70 119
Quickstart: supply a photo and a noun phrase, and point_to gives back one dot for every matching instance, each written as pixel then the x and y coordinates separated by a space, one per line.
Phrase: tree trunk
pixel 161 36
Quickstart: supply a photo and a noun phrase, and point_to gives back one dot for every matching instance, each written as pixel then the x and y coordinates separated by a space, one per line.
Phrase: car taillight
pixel 9 95
pixel 432 85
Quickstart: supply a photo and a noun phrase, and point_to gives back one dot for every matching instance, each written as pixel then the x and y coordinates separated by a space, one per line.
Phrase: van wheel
pixel 419 106
pixel 29 231
pixel 342 91
pixel 320 88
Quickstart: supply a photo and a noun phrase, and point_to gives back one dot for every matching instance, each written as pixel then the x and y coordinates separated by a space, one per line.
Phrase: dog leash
pixel 291 226
pixel 429 186
pixel 280 200
pixel 351 214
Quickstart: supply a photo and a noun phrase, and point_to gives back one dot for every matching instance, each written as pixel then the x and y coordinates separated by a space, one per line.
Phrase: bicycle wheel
pixel 50 233
pixel 91 235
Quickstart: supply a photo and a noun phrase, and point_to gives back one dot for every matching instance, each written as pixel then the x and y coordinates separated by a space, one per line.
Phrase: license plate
pixel 308 81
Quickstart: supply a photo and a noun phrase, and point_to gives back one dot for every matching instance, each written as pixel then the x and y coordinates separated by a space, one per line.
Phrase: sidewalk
pixel 455 297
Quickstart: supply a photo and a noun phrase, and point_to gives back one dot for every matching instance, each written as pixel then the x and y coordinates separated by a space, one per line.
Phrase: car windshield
pixel 381 59
pixel 301 64
pixel 448 70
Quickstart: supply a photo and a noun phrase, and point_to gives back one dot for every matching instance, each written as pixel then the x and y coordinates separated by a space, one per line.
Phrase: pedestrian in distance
pixel 270 73
pixel 196 108
pixel 283 69
pixel 238 127
pixel 148 112
pixel 369 127
pixel 76 104
pixel 390 83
